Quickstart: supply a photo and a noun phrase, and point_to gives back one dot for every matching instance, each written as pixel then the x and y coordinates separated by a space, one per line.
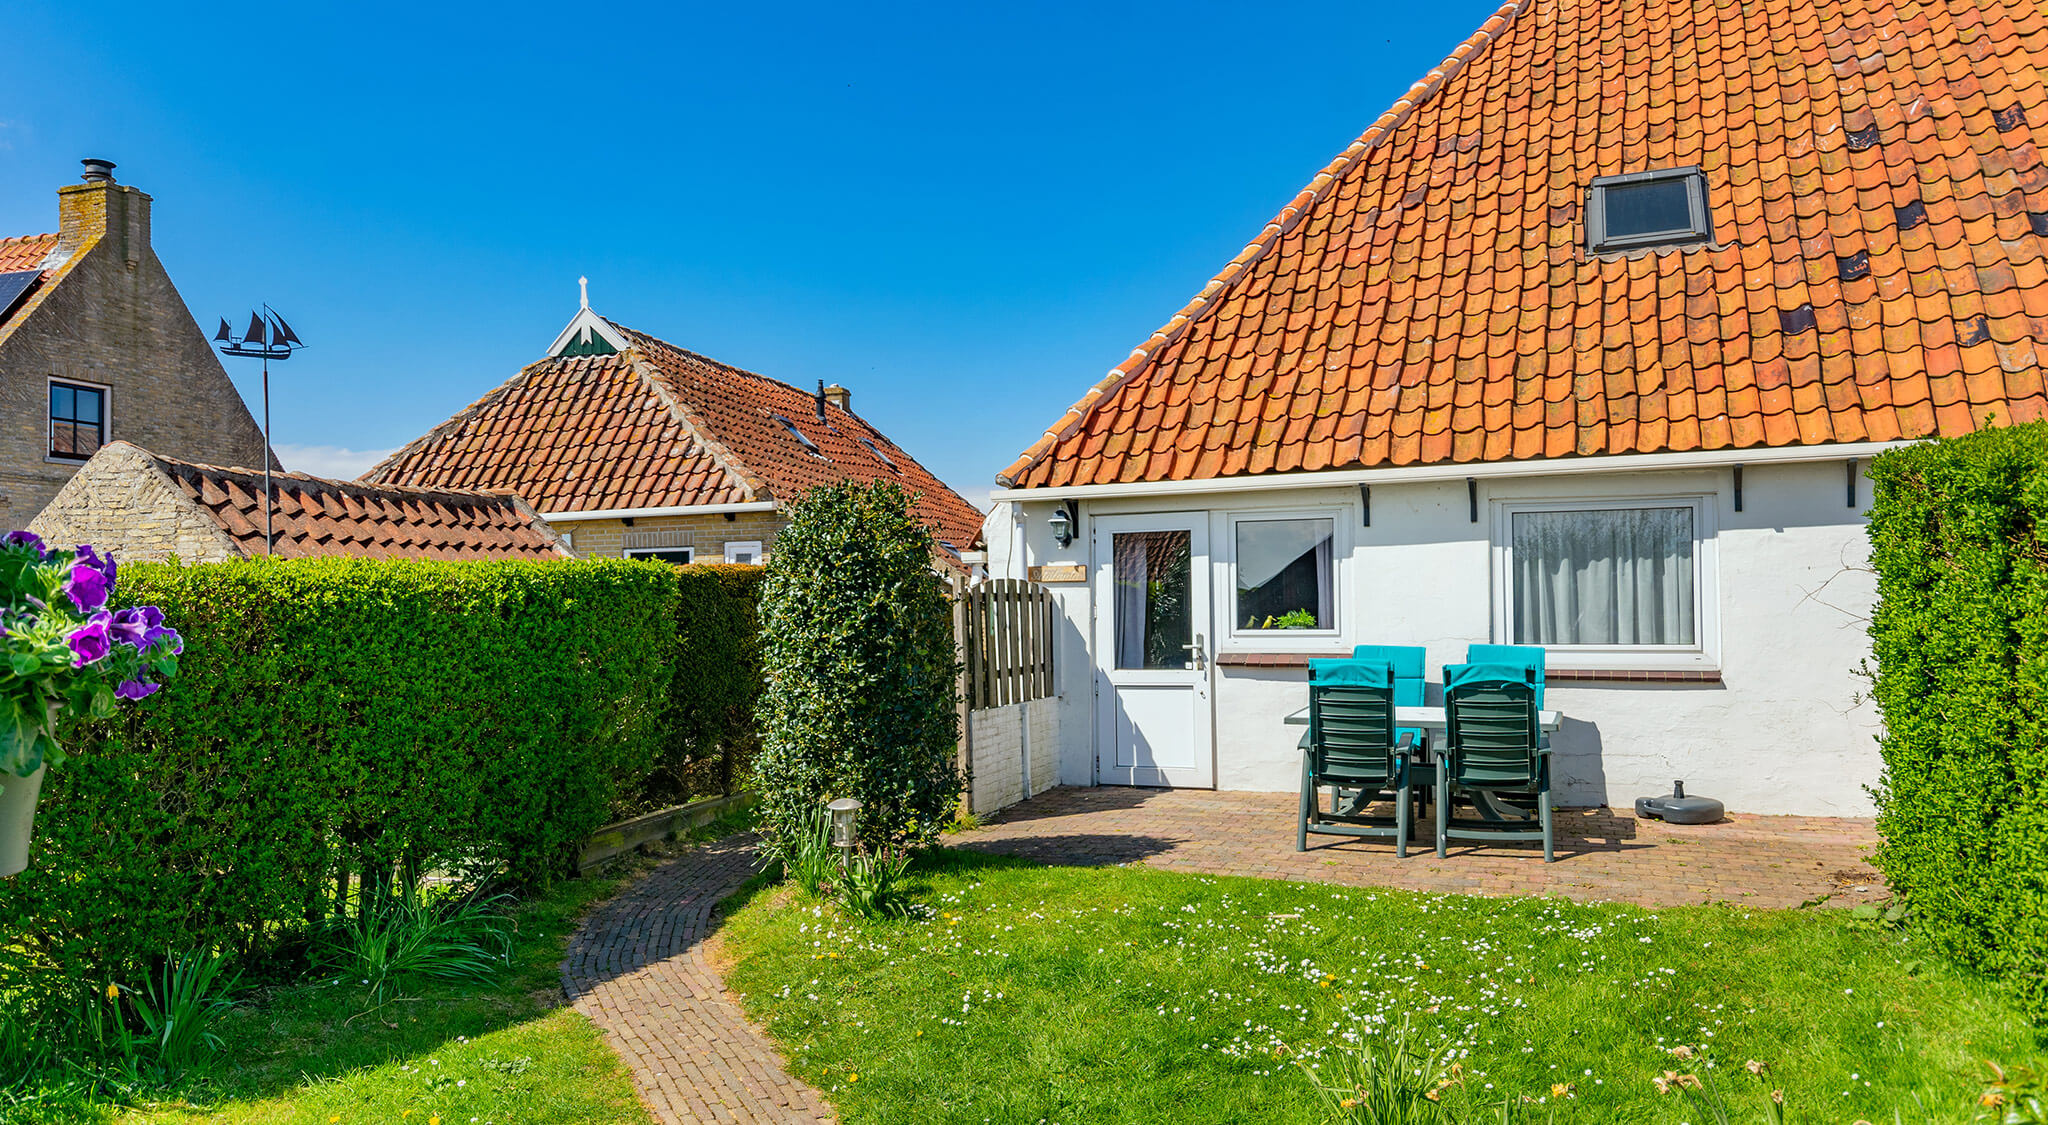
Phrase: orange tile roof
pixel 25 252
pixel 1880 211
pixel 314 516
pixel 657 426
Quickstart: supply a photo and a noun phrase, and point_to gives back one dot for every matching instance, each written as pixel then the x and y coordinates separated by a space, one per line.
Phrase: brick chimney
pixel 840 397
pixel 99 208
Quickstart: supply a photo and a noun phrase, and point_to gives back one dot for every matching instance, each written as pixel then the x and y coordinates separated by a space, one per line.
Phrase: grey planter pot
pixel 18 819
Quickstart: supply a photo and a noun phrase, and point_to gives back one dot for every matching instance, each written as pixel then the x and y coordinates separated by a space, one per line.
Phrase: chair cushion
pixel 1408 662
pixel 1358 673
pixel 1530 656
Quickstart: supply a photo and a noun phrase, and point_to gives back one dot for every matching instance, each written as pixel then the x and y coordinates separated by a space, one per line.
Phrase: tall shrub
pixel 857 647
pixel 1960 639
pixel 339 717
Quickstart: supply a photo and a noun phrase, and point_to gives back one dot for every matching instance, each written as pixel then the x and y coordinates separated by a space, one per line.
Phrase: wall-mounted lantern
pixel 1064 522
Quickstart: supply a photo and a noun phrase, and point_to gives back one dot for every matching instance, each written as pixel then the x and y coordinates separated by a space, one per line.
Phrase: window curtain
pixel 1131 562
pixel 1603 577
pixel 1326 577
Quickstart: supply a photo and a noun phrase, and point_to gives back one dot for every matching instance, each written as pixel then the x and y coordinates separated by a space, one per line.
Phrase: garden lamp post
pixel 843 812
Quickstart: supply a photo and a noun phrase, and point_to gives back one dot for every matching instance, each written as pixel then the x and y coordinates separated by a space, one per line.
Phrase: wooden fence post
pixel 963 657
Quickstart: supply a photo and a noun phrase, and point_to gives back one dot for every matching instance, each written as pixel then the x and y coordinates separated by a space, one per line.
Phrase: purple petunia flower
pixel 89 643
pixel 136 627
pixel 105 564
pixel 27 539
pixel 87 587
pixel 136 689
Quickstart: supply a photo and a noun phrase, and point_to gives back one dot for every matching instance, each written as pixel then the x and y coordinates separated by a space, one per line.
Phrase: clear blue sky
pixel 965 213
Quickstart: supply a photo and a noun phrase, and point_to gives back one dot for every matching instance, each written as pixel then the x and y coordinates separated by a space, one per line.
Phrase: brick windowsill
pixel 1274 659
pixel 1632 676
pixel 1553 676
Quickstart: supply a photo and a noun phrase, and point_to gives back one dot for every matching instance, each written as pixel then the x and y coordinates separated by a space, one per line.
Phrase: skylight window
pixel 879 455
pixel 1648 210
pixel 810 447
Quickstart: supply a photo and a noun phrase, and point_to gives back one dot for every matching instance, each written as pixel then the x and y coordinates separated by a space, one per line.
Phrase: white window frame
pixel 739 545
pixel 1703 654
pixel 106 416
pixel 638 552
pixel 1238 638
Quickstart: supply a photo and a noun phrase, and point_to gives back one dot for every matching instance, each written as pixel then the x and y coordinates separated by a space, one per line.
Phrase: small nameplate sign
pixel 1058 572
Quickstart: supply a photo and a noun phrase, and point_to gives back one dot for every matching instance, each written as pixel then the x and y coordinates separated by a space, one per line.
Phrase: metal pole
pixel 268 549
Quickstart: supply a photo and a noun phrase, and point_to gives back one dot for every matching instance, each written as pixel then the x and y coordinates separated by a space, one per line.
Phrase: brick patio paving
pixel 638 968
pixel 1601 854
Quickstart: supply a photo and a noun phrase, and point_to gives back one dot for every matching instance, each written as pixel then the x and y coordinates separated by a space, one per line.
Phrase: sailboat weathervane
pixel 268 337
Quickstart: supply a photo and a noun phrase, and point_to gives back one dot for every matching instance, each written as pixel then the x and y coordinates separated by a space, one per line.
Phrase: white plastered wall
pixel 1784 731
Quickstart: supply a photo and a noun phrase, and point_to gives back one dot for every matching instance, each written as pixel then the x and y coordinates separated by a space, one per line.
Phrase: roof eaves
pixel 1268 238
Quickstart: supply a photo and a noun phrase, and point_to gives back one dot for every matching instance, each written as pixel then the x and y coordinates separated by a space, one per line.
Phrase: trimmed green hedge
pixel 1960 636
pixel 710 740
pixel 342 716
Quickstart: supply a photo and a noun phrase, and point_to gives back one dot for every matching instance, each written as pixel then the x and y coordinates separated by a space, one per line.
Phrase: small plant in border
pixel 65 649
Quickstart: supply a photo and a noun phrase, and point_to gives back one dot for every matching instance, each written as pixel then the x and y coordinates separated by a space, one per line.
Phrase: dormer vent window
pixel 810 447
pixel 1658 210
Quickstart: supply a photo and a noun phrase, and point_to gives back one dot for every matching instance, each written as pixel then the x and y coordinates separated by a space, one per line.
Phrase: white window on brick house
pixel 681 556
pixel 746 553
pixel 78 420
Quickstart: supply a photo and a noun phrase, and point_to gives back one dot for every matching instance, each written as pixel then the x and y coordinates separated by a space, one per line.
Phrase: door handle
pixel 1196 648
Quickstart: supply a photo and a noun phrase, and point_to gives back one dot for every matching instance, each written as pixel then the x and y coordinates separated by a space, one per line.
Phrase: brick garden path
pixel 637 967
pixel 1601 854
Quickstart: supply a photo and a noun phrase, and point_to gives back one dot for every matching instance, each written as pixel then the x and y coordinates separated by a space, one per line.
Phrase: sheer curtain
pixel 1132 568
pixel 1326 578
pixel 1603 577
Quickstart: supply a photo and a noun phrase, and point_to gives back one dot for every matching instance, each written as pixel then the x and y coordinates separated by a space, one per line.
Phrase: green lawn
pixel 1086 995
pixel 499 1052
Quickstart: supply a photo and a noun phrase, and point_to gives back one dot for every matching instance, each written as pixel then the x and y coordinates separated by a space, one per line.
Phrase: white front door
pixel 1152 716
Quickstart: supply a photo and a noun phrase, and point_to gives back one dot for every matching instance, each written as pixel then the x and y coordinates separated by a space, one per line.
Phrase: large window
pixel 1286 574
pixel 78 420
pixel 1615 577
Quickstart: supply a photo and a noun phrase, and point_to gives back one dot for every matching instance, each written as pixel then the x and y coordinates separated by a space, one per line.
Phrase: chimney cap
pixel 97 171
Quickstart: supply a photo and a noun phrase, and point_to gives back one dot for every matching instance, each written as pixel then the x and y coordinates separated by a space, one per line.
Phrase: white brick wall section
pixel 1016 753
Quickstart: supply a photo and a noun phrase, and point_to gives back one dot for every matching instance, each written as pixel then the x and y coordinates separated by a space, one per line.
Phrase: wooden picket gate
pixel 1007 636
pixel 1004 631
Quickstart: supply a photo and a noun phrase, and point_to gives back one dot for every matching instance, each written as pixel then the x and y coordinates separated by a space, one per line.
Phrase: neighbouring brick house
pixel 95 344
pixel 632 446
pixel 143 506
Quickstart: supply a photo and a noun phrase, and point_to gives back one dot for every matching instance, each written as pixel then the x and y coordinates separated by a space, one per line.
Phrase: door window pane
pixel 1154 623
pixel 1620 576
pixel 1285 574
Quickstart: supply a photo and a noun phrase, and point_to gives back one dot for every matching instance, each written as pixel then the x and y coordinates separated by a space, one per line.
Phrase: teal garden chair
pixel 1495 757
pixel 1352 748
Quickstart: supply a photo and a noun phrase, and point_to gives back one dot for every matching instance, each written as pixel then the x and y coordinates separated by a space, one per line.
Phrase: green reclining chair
pixel 1352 748
pixel 1495 757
